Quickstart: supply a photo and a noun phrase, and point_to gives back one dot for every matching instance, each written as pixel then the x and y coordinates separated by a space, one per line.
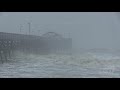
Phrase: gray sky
pixel 88 29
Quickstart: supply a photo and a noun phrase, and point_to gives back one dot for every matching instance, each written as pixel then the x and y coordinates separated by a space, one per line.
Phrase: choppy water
pixel 91 65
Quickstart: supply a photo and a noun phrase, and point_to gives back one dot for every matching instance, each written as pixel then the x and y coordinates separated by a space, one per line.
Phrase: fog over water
pixel 87 29
pixel 97 31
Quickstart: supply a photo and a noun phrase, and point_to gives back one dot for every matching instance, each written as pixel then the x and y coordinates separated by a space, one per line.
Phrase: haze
pixel 87 29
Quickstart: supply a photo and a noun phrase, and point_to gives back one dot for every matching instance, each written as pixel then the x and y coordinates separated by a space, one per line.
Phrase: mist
pixel 59 44
pixel 88 30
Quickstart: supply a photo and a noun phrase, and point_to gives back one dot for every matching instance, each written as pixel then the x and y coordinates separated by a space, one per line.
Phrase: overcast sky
pixel 88 29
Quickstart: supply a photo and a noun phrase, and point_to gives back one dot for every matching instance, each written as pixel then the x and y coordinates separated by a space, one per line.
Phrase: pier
pixel 48 43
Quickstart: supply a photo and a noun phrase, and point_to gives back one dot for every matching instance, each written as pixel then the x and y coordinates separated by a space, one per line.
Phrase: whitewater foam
pixel 53 65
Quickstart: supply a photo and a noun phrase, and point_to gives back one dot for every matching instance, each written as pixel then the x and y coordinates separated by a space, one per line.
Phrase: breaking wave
pixel 87 64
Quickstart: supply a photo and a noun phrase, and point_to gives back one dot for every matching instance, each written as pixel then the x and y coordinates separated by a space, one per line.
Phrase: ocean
pixel 75 65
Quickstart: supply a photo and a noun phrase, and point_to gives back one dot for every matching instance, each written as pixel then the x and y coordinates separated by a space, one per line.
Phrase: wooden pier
pixel 10 42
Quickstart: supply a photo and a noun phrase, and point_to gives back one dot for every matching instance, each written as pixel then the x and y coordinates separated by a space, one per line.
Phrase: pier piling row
pixel 10 42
